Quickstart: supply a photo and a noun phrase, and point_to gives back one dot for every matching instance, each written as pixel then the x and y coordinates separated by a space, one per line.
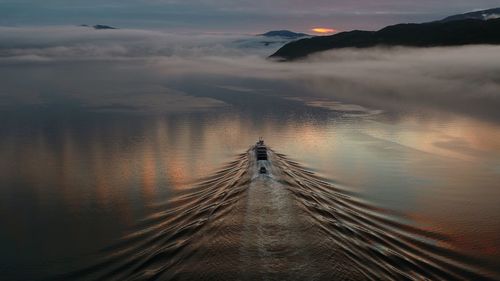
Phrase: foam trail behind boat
pixel 286 224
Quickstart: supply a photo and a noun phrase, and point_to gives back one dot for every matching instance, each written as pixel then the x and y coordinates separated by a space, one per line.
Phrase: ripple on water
pixel 287 225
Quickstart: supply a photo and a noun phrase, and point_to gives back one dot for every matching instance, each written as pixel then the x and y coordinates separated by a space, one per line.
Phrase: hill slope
pixel 433 34
pixel 478 15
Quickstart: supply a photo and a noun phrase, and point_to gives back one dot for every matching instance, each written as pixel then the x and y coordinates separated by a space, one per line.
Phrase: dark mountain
pixel 99 26
pixel 478 15
pixel 284 34
pixel 433 34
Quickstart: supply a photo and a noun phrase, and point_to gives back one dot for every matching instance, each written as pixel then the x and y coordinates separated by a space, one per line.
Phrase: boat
pixel 260 150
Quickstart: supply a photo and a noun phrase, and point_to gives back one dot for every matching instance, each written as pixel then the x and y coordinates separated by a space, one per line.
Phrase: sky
pixel 232 16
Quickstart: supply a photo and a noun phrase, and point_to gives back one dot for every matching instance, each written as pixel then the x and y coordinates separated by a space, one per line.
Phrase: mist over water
pixel 124 154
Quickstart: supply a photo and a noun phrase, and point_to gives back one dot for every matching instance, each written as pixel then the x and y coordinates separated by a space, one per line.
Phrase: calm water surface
pixel 74 182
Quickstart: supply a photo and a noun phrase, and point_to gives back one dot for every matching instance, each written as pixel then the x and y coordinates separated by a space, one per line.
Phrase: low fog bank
pixel 120 67
pixel 459 79
pixel 83 43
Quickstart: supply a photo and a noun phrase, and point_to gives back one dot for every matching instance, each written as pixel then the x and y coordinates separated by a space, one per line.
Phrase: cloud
pixel 491 16
pixel 87 43
pixel 458 79
pixel 230 15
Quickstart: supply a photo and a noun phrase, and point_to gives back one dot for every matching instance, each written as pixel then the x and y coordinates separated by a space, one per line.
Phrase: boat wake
pixel 278 223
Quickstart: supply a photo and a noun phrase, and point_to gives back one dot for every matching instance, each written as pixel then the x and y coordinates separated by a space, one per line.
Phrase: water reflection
pixel 74 182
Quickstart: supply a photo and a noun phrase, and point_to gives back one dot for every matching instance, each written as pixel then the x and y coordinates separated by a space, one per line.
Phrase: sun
pixel 324 30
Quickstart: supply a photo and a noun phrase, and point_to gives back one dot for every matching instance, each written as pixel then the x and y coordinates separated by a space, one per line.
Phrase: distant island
pixel 285 34
pixel 275 38
pixel 482 27
pixel 99 26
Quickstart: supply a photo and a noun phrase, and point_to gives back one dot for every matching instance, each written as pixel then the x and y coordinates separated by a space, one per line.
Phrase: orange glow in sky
pixel 323 30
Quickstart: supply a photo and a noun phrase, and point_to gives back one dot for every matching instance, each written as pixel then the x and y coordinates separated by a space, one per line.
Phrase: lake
pixel 93 151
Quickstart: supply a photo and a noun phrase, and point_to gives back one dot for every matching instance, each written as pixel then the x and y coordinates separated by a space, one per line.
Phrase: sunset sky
pixel 232 15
